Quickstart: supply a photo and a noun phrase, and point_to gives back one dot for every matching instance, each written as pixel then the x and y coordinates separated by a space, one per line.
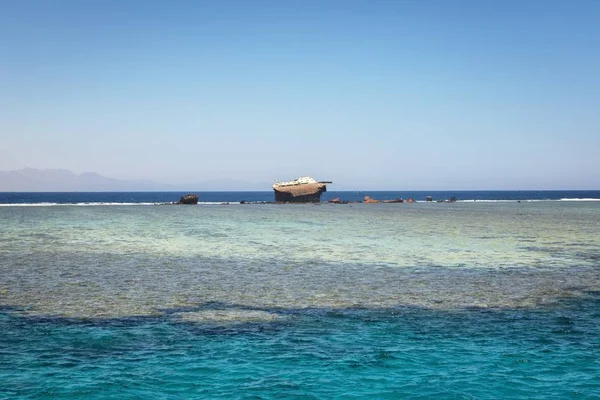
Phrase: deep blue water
pixel 267 196
pixel 348 353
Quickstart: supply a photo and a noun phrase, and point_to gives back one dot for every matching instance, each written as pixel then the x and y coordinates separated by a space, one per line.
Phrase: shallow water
pixel 465 300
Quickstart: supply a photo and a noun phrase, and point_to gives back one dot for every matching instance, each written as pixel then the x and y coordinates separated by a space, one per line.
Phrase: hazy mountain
pixel 62 180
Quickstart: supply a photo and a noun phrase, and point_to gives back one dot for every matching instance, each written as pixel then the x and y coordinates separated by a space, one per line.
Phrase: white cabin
pixel 304 180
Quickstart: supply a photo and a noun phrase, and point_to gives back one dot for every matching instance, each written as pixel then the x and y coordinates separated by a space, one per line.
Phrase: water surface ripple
pixel 466 300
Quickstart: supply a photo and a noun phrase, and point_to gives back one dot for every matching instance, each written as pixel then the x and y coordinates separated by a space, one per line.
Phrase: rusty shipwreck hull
pixel 307 193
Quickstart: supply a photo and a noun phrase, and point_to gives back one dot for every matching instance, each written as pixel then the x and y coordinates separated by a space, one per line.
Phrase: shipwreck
pixel 189 198
pixel 301 190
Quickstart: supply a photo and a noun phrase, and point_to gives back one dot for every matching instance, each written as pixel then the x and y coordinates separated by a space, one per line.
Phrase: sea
pixel 126 296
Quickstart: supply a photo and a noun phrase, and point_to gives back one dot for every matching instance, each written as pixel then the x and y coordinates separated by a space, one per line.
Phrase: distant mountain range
pixel 62 180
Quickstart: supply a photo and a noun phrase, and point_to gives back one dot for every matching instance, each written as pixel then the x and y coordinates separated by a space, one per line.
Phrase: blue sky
pixel 370 94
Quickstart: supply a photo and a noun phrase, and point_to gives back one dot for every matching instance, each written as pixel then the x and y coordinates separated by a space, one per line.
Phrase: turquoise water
pixel 466 300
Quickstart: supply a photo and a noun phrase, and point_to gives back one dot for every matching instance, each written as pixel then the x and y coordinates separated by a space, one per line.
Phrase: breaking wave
pixel 219 203
pixel 96 204
pixel 576 199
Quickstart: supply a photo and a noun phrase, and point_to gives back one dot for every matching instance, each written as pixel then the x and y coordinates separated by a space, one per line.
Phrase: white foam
pixel 523 200
pixel 577 199
pixel 90 204
pixel 77 204
pixel 217 203
pixel 485 201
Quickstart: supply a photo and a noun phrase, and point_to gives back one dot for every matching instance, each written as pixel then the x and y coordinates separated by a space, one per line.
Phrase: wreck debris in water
pixel 301 190
pixel 189 198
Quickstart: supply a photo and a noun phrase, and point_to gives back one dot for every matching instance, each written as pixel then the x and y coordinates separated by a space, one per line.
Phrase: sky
pixel 405 95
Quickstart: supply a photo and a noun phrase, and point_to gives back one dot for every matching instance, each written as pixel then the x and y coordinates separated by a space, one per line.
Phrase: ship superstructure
pixel 302 190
